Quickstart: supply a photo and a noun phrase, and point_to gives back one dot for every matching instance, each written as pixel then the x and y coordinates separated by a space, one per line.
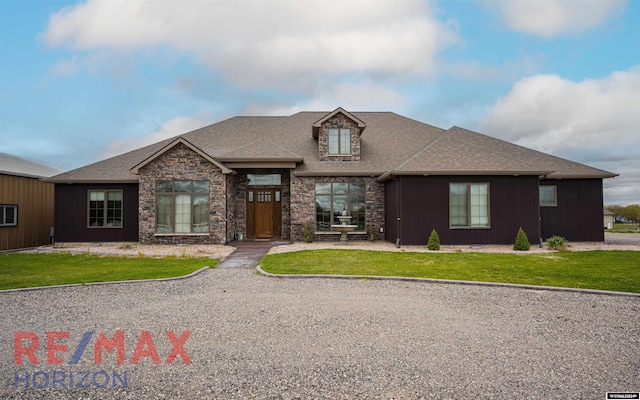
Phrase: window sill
pixel 469 227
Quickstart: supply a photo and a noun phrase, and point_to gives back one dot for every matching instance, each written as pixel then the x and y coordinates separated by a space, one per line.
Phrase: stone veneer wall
pixel 339 121
pixel 303 206
pixel 231 209
pixel 240 202
pixel 181 163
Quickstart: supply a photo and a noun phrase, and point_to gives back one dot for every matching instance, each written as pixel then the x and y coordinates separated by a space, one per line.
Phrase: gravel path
pixel 265 338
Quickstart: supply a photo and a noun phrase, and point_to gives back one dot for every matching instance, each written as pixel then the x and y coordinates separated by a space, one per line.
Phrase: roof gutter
pixel 391 174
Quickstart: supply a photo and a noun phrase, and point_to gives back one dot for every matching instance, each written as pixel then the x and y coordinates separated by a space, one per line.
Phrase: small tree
pixel 522 241
pixel 308 233
pixel 434 241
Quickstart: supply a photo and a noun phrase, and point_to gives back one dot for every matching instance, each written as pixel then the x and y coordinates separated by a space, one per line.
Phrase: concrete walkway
pixel 248 253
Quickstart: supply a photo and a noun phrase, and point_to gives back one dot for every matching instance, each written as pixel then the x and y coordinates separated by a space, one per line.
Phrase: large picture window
pixel 333 198
pixel 182 206
pixel 105 209
pixel 8 215
pixel 339 141
pixel 469 205
pixel 548 197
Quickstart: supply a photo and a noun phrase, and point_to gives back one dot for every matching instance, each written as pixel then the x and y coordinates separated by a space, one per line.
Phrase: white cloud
pixel 592 121
pixel 264 43
pixel 169 129
pixel 549 18
pixel 66 68
pixel 362 96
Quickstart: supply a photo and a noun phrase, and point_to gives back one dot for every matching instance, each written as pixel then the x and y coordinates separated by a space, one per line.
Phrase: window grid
pixel 182 206
pixel 105 208
pixel 469 205
pixel 333 198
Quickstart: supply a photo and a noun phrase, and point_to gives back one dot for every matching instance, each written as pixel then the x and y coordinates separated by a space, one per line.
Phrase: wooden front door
pixel 263 213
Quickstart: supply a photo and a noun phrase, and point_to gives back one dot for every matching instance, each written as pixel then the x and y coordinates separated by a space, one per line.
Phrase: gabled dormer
pixel 338 135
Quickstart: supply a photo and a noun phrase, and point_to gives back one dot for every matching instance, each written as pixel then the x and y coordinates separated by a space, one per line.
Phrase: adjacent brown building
pixel 26 203
pixel 271 177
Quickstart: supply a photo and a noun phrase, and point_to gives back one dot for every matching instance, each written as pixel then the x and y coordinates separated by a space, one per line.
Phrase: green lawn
pixel 604 270
pixel 29 270
pixel 624 228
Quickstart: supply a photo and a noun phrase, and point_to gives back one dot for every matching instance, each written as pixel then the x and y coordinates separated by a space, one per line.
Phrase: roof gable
pixel 316 126
pixel 170 146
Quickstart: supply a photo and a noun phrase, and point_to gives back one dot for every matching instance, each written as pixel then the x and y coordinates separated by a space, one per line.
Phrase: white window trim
pixel 3 208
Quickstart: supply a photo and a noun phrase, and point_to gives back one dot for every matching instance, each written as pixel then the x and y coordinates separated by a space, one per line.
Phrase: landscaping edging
pixel 194 273
pixel 447 281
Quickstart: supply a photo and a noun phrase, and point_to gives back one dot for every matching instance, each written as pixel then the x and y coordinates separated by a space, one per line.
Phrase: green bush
pixel 522 241
pixel 308 233
pixel 556 243
pixel 434 241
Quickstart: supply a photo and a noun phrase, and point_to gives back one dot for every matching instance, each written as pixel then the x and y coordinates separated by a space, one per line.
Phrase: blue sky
pixel 82 81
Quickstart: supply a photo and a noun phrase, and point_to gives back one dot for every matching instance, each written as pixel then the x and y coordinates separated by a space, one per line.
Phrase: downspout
pixel 398 216
pixel 537 197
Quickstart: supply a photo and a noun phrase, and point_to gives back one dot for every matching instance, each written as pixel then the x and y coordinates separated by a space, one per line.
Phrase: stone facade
pixel 303 210
pixel 339 121
pixel 182 163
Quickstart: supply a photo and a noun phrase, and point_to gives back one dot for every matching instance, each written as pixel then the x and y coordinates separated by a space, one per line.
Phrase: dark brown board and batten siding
pixel 423 205
pixel 34 199
pixel 71 224
pixel 578 214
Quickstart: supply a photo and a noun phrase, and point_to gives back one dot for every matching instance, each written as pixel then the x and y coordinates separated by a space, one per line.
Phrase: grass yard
pixel 604 270
pixel 29 270
pixel 624 228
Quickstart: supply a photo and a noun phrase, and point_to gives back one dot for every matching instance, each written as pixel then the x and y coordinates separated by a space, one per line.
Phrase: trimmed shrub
pixel 434 241
pixel 522 241
pixel 556 243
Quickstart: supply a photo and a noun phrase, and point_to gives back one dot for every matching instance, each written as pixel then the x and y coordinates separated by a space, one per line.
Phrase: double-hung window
pixel 105 208
pixel 339 141
pixel 182 206
pixel 8 215
pixel 469 205
pixel 334 198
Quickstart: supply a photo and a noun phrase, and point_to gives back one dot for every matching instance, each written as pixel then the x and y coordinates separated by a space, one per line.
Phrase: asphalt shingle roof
pixel 391 144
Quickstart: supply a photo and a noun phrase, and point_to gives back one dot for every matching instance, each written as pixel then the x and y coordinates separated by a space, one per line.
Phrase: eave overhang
pixel 581 176
pixel 336 173
pixel 91 181
pixel 392 174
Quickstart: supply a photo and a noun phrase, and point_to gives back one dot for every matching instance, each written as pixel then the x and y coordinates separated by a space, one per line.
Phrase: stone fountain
pixel 344 227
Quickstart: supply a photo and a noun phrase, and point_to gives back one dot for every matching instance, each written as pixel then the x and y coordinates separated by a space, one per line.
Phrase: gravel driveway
pixel 266 338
